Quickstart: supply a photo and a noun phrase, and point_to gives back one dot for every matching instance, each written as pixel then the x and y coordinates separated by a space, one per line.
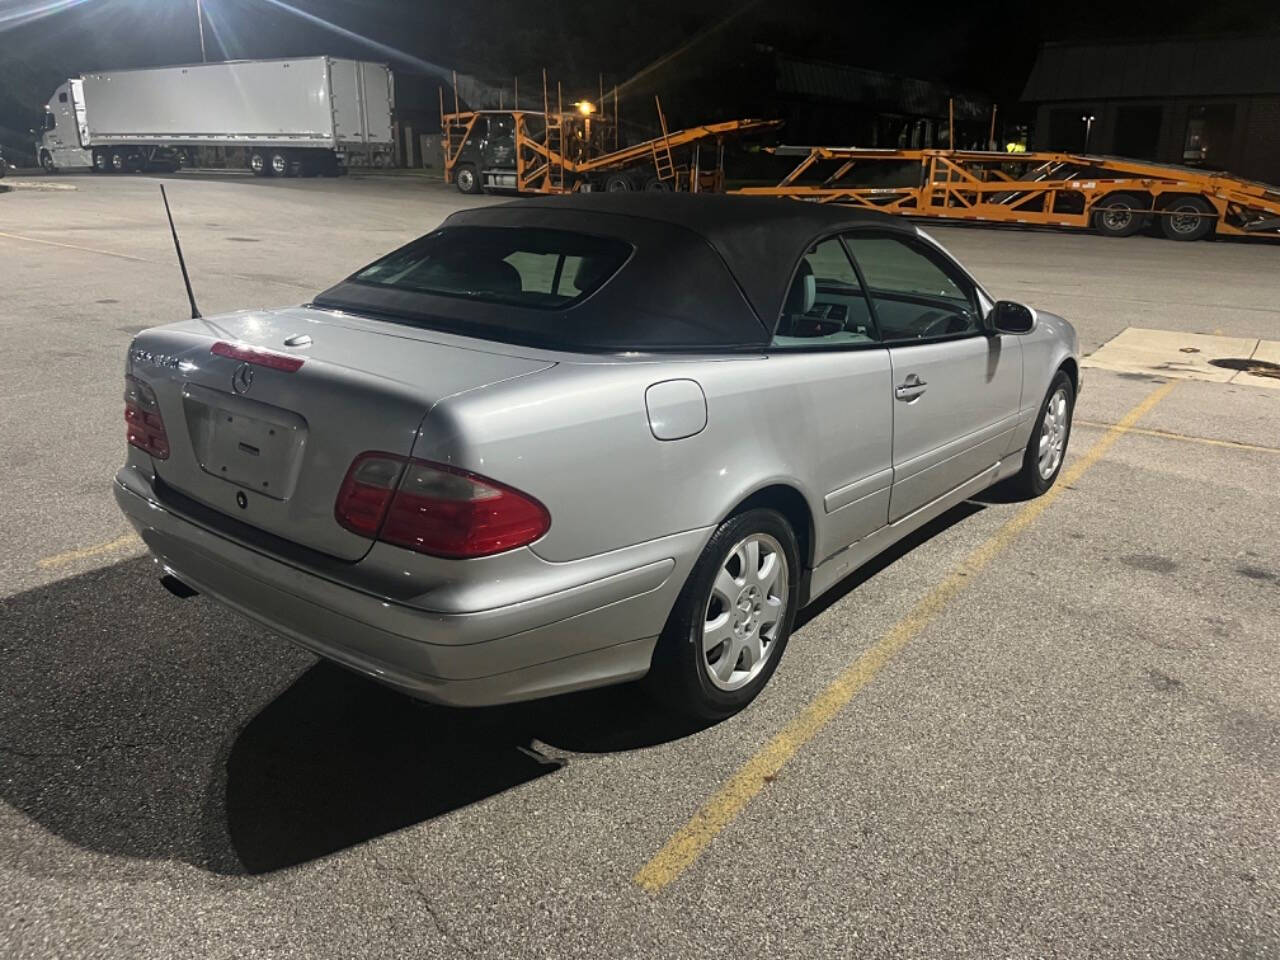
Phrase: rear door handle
pixel 910 388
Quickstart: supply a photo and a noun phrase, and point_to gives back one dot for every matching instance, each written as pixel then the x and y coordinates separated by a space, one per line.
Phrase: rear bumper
pixel 598 633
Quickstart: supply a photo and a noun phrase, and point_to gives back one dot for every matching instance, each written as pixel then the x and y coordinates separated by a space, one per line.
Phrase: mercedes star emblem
pixel 242 379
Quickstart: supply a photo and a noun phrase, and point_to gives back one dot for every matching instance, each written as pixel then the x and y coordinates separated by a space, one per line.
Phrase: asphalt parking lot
pixel 1045 729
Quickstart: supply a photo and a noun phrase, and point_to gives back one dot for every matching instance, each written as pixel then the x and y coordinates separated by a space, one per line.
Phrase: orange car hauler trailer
pixel 1117 196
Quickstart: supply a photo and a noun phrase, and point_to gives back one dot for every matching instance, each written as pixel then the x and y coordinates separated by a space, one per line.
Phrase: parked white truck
pixel 292 117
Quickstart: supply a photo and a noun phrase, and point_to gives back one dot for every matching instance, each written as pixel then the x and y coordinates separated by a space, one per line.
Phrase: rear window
pixel 525 266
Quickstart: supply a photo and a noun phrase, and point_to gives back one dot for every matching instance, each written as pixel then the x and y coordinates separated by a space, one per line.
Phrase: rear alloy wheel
pixel 1042 461
pixel 731 621
pixel 1119 215
pixel 1188 218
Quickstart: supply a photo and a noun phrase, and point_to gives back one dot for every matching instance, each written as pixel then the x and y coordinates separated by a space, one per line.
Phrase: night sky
pixel 984 46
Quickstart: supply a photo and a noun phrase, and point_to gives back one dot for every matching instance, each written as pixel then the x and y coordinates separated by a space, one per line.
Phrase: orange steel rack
pixel 1116 196
pixel 559 151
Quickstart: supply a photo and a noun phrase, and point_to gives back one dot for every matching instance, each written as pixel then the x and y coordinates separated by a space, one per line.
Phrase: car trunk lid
pixel 269 446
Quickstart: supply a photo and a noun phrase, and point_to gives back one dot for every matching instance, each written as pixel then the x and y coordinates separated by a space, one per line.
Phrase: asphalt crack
pixel 404 879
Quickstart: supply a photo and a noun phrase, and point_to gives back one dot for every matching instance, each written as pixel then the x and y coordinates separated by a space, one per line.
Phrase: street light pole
pixel 1088 126
pixel 200 22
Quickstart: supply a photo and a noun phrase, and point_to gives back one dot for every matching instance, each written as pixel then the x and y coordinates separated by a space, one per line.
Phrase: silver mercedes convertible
pixel 567 442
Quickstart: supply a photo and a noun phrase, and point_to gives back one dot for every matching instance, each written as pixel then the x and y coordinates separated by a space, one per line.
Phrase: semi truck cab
pixel 60 144
pixel 487 159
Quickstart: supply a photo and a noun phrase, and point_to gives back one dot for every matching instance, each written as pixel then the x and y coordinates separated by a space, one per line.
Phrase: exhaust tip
pixel 177 587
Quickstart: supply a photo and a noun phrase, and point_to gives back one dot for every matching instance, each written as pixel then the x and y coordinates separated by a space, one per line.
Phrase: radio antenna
pixel 182 264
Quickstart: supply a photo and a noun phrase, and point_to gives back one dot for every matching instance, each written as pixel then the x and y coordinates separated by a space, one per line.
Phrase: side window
pixel 917 296
pixel 499 127
pixel 50 121
pixel 825 304
pixel 62 98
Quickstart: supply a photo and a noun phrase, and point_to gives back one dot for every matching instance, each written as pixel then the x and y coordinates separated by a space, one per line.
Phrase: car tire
pixel 466 179
pixel 721 601
pixel 1188 218
pixel 1053 426
pixel 1119 215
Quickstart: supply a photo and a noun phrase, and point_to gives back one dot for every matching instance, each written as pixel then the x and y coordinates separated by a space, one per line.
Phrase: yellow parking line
pixel 84 553
pixel 73 246
pixel 693 838
pixel 1186 438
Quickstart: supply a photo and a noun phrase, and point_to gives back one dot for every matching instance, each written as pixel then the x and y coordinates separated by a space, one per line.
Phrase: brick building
pixel 1210 102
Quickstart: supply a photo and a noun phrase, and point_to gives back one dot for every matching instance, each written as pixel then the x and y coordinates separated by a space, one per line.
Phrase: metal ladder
pixel 663 163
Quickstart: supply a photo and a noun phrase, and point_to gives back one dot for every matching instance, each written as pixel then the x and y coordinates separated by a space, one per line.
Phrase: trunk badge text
pixel 155 359
pixel 242 379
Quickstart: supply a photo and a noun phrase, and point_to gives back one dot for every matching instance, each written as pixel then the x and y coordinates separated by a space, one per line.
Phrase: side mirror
pixel 1009 316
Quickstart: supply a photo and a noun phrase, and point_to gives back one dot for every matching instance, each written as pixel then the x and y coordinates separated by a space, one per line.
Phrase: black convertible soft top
pixel 760 238
pixel 708 271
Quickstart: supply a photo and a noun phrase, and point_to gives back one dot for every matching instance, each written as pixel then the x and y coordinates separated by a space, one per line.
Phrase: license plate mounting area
pixel 244 442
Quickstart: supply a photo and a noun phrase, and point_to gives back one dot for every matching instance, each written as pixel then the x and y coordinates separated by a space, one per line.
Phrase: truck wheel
pixel 1188 218
pixel 46 162
pixel 258 164
pixel 1119 215
pixel 101 161
pixel 655 185
pixel 618 183
pixel 280 163
pixel 119 161
pixel 464 175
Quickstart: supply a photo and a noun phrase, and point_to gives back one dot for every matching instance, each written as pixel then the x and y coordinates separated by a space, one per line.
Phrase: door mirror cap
pixel 1009 316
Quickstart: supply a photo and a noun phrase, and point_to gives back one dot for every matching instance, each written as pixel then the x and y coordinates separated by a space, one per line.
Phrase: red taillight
pixel 435 509
pixel 144 426
pixel 366 491
pixel 256 355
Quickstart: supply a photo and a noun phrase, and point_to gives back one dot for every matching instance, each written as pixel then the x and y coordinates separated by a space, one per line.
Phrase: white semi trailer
pixel 291 117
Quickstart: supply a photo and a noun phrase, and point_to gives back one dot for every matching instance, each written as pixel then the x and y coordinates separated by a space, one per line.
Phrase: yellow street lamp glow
pixel 585 107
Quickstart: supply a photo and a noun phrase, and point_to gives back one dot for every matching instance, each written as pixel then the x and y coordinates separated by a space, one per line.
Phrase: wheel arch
pixel 1071 368
pixel 787 500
